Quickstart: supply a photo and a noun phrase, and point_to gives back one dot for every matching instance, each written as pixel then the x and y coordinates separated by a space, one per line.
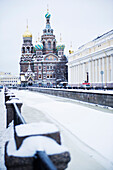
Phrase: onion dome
pixel 39 46
pixel 27 33
pixel 60 46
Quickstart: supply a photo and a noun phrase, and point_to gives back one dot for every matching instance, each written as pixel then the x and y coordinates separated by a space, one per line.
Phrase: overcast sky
pixel 78 21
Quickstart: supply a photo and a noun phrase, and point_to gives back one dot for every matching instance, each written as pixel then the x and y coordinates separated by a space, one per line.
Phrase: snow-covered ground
pixel 93 126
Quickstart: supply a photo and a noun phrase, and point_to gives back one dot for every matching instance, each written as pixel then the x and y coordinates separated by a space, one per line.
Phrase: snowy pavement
pixel 91 126
pixel 5 134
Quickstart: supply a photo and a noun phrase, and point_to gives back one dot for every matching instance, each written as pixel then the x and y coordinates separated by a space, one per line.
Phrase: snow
pixel 35 128
pixel 93 127
pixel 84 90
pixel 36 143
pixel 14 100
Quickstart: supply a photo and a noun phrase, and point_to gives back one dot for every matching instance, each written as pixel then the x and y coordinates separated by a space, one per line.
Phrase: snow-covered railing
pixel 18 118
pixel 23 132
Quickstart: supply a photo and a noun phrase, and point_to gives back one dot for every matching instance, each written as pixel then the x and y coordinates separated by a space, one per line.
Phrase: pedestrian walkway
pixel 5 134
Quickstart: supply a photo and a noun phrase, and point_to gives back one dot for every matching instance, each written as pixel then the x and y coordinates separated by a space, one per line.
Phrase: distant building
pixel 8 79
pixel 92 63
pixel 45 63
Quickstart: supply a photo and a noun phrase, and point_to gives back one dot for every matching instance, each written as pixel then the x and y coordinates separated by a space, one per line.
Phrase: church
pixel 42 64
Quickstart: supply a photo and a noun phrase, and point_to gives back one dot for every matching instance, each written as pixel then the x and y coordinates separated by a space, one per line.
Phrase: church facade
pixel 43 64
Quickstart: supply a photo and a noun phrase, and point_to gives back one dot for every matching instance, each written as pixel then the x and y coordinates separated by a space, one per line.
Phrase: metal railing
pixel 41 159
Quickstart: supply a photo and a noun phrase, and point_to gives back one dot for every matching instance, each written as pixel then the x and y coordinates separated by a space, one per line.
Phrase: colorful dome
pixel 39 46
pixel 47 15
pixel 27 33
pixel 60 47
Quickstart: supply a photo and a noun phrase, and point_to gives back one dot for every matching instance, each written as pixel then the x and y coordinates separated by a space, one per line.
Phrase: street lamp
pixel 102 73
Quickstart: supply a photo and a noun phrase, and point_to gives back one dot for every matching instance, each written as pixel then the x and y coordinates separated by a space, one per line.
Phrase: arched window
pixel 28 49
pixel 31 49
pixel 49 45
pixel 54 45
pixel 44 46
pixel 23 49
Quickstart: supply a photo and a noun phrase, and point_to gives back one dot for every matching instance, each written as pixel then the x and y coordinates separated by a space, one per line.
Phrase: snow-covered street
pixel 86 129
pixel 84 126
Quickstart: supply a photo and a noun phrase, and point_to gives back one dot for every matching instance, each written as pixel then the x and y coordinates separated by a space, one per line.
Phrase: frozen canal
pixel 86 130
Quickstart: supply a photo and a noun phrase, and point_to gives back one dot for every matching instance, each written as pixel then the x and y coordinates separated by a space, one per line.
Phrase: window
pixel 28 49
pixel 23 49
pixel 47 75
pixel 39 67
pixel 49 44
pixel 39 76
pixel 54 46
pixel 47 67
pixel 51 76
pixel 50 67
pixel 44 46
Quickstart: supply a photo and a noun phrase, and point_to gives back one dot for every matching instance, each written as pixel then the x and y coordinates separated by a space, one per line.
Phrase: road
pixel 42 107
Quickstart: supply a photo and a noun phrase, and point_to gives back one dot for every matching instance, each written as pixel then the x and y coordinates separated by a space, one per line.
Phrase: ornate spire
pixel 38 37
pixel 47 8
pixel 47 15
pixel 27 33
pixel 60 38
pixel 71 49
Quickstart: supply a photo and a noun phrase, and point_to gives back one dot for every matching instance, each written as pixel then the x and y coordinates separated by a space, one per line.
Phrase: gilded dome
pixel 27 33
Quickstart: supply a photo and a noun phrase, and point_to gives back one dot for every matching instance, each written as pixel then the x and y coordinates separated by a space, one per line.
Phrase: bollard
pixel 11 110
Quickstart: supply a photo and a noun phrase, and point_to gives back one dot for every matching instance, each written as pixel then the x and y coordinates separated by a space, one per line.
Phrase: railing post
pixel 8 95
pixel 11 110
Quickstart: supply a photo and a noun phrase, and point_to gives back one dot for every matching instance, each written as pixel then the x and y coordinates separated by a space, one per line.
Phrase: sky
pixel 78 21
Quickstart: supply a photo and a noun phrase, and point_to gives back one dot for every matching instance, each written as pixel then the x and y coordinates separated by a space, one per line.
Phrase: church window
pixel 47 20
pixel 39 67
pixel 49 44
pixel 23 49
pixel 27 49
pixel 54 46
pixel 47 75
pixel 39 76
pixel 44 46
pixel 31 49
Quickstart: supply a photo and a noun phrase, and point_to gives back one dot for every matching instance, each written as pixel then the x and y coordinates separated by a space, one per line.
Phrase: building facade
pixel 43 64
pixel 92 63
pixel 7 79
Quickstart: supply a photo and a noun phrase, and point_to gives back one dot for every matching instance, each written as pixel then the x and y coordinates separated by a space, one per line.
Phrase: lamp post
pixel 102 72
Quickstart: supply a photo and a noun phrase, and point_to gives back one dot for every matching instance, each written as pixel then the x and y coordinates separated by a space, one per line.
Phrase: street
pixel 83 127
